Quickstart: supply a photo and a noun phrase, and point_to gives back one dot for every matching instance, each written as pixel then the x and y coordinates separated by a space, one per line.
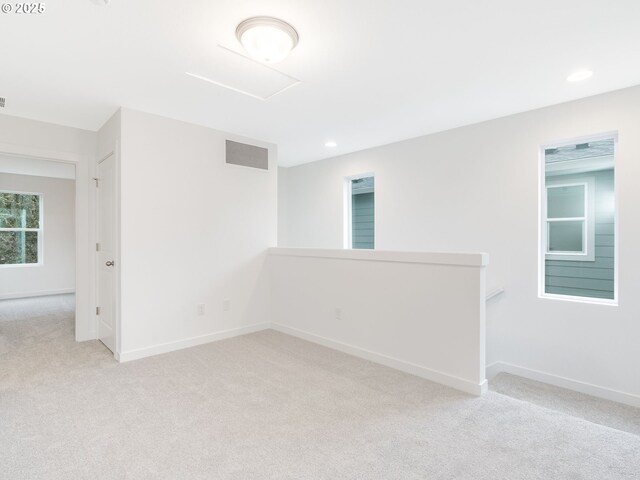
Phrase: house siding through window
pixel 589 279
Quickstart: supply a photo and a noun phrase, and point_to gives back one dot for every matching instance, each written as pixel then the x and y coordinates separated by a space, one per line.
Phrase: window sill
pixel 575 299
pixel 21 265
pixel 589 257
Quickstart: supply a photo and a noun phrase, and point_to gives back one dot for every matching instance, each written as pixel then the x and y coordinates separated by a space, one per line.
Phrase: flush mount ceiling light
pixel 330 144
pixel 267 39
pixel 579 75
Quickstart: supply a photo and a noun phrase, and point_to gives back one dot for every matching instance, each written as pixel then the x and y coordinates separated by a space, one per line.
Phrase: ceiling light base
pixel 267 39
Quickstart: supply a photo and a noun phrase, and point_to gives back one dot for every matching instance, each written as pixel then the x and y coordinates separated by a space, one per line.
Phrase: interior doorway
pixel 37 246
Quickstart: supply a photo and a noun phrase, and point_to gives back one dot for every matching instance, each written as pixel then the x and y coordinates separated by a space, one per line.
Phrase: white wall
pixel 108 137
pixel 194 230
pixel 56 274
pixel 422 313
pixel 36 167
pixel 283 194
pixel 476 189
pixel 20 136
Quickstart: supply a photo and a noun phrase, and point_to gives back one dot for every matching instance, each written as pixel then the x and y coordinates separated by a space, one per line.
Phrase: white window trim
pixel 40 231
pixel 542 209
pixel 347 236
pixel 589 226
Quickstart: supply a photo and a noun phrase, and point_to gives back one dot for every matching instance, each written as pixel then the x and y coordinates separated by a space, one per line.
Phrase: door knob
pixel 110 263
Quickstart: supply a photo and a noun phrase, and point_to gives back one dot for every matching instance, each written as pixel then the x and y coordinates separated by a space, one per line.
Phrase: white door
pixel 106 252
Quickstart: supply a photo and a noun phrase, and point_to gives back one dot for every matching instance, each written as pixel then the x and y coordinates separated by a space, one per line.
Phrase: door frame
pixel 85 328
pixel 115 152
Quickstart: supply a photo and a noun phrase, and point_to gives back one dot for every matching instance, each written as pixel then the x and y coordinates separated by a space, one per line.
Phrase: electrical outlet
pixel 338 313
pixel 226 305
pixel 200 309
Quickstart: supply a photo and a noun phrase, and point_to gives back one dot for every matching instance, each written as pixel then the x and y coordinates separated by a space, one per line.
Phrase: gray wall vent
pixel 2 100
pixel 247 155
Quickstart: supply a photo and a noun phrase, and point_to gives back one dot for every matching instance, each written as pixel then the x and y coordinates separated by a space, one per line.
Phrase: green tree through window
pixel 19 228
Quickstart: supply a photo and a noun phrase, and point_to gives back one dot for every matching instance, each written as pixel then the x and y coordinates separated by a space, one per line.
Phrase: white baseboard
pixel 41 293
pixel 493 370
pixel 189 342
pixel 563 382
pixel 418 370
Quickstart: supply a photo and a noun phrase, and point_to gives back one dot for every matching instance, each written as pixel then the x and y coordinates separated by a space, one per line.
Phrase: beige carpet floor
pixel 267 406
pixel 596 410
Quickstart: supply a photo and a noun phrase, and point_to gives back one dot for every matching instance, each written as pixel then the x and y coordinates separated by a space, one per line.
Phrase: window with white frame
pixel 360 212
pixel 20 228
pixel 570 219
pixel 578 232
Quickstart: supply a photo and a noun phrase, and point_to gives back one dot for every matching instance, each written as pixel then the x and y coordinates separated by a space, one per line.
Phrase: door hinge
pixel 97 180
pixel 97 247
pixel 97 310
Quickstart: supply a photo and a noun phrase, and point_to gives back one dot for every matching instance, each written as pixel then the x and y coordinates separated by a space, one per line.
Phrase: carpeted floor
pixel 267 406
pixel 596 410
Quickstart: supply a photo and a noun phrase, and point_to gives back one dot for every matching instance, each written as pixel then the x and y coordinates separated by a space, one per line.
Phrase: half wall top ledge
pixel 463 259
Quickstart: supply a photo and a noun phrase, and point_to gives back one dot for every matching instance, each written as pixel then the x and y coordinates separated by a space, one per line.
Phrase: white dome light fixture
pixel 267 39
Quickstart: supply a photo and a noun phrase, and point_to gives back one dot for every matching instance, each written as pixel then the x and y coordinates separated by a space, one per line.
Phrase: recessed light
pixel 579 75
pixel 267 39
pixel 331 144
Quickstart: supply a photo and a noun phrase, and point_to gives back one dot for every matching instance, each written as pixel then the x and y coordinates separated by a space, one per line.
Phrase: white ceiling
pixel 372 71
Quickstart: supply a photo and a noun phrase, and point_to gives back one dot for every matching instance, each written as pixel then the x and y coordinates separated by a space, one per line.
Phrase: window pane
pixel 565 202
pixel 566 236
pixel 18 248
pixel 579 255
pixel 363 213
pixel 363 220
pixel 19 210
pixel 362 185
